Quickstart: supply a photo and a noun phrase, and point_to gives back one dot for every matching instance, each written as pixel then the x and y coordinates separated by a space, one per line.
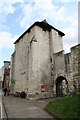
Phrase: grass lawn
pixel 67 107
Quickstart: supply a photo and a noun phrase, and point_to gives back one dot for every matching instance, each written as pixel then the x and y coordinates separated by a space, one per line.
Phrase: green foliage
pixel 68 107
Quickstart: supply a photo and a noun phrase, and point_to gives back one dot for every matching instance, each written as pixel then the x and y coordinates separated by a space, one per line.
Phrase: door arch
pixel 59 86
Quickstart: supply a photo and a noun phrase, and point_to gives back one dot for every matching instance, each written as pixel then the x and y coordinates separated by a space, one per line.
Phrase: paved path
pixel 22 108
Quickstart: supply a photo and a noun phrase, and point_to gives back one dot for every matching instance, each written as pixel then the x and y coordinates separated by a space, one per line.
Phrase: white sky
pixel 17 15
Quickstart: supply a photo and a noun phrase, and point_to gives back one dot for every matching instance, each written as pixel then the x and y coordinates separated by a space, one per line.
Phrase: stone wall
pixel 59 63
pixel 68 66
pixel 39 59
pixel 75 55
pixel 33 59
pixel 23 61
pixel 12 75
pixel 68 69
pixel 56 41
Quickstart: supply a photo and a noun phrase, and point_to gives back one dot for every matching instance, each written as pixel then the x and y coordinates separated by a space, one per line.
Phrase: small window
pixel 51 60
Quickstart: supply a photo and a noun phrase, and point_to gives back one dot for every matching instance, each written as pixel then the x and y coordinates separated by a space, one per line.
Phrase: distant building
pixel 1 76
pixel 6 75
pixel 39 64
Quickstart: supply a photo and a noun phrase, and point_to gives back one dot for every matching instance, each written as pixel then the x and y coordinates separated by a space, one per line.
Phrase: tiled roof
pixel 42 24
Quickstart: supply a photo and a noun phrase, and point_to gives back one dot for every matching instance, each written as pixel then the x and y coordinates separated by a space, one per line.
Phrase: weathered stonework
pixel 75 54
pixel 39 59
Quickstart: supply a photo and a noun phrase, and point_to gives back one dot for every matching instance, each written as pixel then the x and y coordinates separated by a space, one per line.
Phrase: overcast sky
pixel 17 15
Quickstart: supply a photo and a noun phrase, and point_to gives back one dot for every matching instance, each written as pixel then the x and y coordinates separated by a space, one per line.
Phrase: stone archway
pixel 59 86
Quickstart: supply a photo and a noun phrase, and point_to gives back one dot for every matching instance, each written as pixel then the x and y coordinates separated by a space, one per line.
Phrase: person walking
pixel 5 91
